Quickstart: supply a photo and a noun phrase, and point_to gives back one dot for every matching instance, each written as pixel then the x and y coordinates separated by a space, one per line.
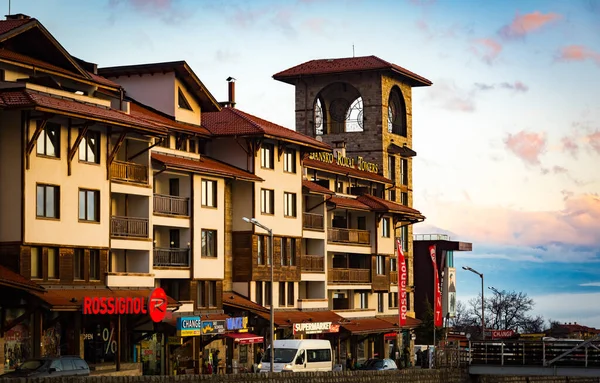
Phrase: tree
pixel 424 332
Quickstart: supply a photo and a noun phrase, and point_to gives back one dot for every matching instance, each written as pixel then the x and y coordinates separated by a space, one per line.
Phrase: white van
pixel 297 355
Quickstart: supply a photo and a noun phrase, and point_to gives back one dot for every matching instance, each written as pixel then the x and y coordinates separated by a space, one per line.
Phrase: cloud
pixel 590 284
pixel 316 24
pixel 578 53
pixel 226 55
pixel 525 24
pixel 168 11
pixel 593 139
pixel 484 87
pixel 486 49
pixel 422 2
pixel 566 194
pixel 573 307
pixel 559 170
pixel 569 145
pixel 559 253
pixel 448 96
pixel 527 146
pixel 517 86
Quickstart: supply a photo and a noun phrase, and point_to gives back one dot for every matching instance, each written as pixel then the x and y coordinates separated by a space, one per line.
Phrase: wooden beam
pixel 115 149
pixel 280 149
pixel 146 149
pixel 41 124
pixel 73 149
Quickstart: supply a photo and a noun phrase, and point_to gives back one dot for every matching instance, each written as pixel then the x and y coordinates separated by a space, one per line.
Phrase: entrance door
pixel 174 186
pixel 174 238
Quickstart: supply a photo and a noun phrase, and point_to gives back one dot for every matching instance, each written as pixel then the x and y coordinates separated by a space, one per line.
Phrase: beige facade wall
pixel 181 114
pixel 11 160
pixel 231 152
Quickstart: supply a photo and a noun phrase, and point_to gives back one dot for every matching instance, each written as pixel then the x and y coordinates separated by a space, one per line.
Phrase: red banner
pixel 437 307
pixel 402 278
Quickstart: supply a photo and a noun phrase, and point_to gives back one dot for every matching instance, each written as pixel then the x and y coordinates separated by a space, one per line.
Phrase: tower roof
pixel 348 65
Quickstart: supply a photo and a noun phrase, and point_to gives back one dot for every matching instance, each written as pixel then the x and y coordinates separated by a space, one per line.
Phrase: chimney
pixel 18 16
pixel 339 149
pixel 231 100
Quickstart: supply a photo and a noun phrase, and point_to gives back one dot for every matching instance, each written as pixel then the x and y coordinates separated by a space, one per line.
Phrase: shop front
pixel 241 345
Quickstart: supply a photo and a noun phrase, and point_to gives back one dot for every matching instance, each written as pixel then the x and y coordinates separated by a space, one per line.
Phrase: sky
pixel 508 135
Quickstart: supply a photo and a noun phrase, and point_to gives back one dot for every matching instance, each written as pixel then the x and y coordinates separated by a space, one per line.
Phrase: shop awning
pixel 244 337
pixel 11 279
pixel 286 318
pixel 240 302
pixel 393 319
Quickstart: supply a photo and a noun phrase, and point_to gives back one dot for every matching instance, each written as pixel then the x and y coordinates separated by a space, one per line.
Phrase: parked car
pixel 299 355
pixel 379 365
pixel 50 367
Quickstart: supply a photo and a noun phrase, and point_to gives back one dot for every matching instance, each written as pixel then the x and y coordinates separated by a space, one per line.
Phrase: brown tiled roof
pixel 103 80
pixel 347 203
pixel 234 122
pixel 369 326
pixel 65 299
pixel 343 170
pixel 11 279
pixel 145 112
pixel 9 25
pixel 380 204
pixel 393 319
pixel 286 318
pixel 236 300
pixel 204 165
pixel 348 64
pixel 315 187
pixel 26 98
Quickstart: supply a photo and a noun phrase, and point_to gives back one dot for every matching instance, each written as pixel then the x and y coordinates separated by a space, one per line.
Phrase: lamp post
pixel 272 324
pixel 482 300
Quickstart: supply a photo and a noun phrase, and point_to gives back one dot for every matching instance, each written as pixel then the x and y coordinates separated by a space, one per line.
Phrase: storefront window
pixel 17 340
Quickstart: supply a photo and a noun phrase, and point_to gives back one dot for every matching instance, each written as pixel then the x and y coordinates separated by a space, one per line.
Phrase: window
pixel 404 171
pixel 380 265
pixel 289 204
pixel 392 194
pixel 48 143
pixel 53 260
pixel 361 223
pixel 36 262
pixel 209 243
pixel 450 258
pixel 181 142
pixel 292 251
pixel 78 265
pixel 261 249
pixel 266 201
pixel 259 293
pixel 165 142
pixel 404 198
pixel 182 102
pixel 339 187
pixel 284 252
pixel 363 300
pixel 94 265
pixel 385 227
pixel 319 355
pixel 89 147
pixel 48 201
pixel 211 293
pixel 404 236
pixel 393 264
pixel 209 193
pixel 268 291
pixel 397 113
pixel 266 156
pixel 392 167
pixel 201 294
pixel 192 145
pixel 380 305
pixel 408 295
pixel 290 294
pixel 393 300
pixel 89 205
pixel 281 293
pixel 289 161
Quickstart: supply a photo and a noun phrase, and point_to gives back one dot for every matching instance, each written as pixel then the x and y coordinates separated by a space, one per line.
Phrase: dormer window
pixel 182 101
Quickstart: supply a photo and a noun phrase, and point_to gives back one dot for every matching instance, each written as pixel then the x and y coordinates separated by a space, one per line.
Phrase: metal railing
pixel 168 204
pixel 313 263
pixel 349 275
pixel 171 257
pixel 431 237
pixel 128 227
pixel 349 236
pixel 394 277
pixel 312 221
pixel 129 172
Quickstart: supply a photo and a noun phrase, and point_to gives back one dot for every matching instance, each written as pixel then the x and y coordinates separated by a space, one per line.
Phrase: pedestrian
pixel 406 356
pixel 258 359
pixel 216 362
pixel 419 357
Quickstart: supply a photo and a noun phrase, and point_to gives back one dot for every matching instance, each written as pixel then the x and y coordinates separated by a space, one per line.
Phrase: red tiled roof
pixel 9 25
pixel 369 326
pixel 348 64
pixel 144 112
pixel 12 279
pixel 347 203
pixel 236 300
pixel 380 204
pixel 234 122
pixel 25 98
pixel 393 319
pixel 205 165
pixel 343 170
pixel 315 187
pixel 103 80
pixel 72 299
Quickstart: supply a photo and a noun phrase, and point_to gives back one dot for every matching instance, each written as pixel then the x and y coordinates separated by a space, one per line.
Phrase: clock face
pixel 338 109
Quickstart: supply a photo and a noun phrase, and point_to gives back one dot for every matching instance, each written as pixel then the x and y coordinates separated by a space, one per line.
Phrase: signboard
pixel 156 306
pixel 500 334
pixel 402 278
pixel 213 327
pixel 437 307
pixel 449 292
pixel 348 162
pixel 189 326
pixel 237 323
pixel 174 341
pixel 315 328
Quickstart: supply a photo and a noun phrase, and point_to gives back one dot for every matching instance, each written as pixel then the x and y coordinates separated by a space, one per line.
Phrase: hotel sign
pixel 315 328
pixel 358 163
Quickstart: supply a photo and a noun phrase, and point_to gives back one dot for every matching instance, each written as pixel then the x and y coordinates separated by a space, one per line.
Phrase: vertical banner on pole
pixel 437 308
pixel 402 278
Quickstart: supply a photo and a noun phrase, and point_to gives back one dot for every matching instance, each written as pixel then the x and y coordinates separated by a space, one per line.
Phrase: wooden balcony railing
pixel 394 277
pixel 348 276
pixel 349 236
pixel 168 204
pixel 312 221
pixel 128 227
pixel 313 263
pixel 170 257
pixel 129 172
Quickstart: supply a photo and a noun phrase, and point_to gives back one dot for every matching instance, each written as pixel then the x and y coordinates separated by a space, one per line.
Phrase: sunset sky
pixel 508 136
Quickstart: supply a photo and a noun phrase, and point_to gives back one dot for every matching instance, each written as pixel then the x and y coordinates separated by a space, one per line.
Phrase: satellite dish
pixel 319 138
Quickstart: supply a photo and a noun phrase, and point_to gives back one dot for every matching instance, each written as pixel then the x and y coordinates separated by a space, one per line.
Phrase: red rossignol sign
pixel 156 307
pixel 437 307
pixel 402 277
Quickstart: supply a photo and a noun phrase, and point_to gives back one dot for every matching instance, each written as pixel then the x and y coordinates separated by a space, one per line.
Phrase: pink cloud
pixel 517 86
pixel 578 53
pixel 524 24
pixel 570 146
pixel 447 95
pixel 559 170
pixel 316 24
pixel 527 146
pixel 593 140
pixel 486 49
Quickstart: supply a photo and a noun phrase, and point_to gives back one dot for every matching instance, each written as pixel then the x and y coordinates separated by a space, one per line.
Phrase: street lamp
pixel 482 301
pixel 256 223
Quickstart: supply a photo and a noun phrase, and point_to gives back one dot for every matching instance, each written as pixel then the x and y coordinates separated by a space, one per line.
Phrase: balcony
pixel 349 236
pixel 129 172
pixel 128 227
pixel 172 205
pixel 312 221
pixel 394 277
pixel 349 276
pixel 171 257
pixel 313 264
